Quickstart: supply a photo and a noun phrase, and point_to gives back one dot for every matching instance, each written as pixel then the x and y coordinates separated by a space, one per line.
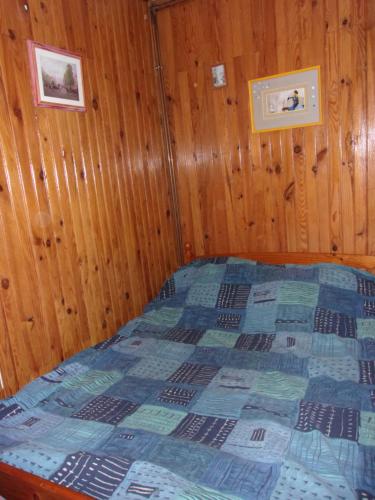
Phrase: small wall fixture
pixel 219 78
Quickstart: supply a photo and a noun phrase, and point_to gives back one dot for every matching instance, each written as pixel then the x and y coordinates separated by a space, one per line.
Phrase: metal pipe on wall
pixel 154 7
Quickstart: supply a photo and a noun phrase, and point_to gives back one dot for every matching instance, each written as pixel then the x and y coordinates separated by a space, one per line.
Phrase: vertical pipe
pixel 165 127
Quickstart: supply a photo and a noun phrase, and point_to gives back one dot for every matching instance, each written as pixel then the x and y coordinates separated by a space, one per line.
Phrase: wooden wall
pixel 307 189
pixel 85 217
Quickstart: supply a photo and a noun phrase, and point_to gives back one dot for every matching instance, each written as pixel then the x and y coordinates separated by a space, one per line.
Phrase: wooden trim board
pixel 16 484
pixel 365 262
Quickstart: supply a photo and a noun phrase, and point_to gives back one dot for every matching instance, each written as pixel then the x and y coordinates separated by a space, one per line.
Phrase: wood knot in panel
pixel 5 283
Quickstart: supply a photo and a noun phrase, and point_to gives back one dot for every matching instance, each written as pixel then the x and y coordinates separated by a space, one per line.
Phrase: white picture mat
pixel 67 60
pixel 311 114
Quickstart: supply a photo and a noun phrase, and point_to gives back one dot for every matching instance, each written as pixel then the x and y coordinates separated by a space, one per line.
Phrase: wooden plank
pixel 20 485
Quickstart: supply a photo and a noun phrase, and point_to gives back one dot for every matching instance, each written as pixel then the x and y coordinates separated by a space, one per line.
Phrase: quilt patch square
pixel 245 478
pixel 327 321
pixel 216 402
pixel 155 419
pixel 92 474
pixel 260 440
pixel 299 293
pixel 295 481
pixel 165 316
pixel 197 317
pixel 93 381
pixel 366 287
pixel 367 348
pixel 75 434
pixel 228 321
pixel 185 336
pixel 280 385
pixel 212 273
pixel 366 372
pixel 176 351
pixel 261 317
pixel 218 338
pixel 136 347
pixel 345 368
pixel 210 431
pixel 322 456
pixel 203 294
pixel 298 343
pixel 240 273
pixel 189 373
pixel 338 278
pixel 106 409
pixel 260 407
pixel 154 368
pixel 256 342
pixel 367 429
pixel 232 296
pixel 294 318
pixel 331 421
pixel 365 328
pixel 176 396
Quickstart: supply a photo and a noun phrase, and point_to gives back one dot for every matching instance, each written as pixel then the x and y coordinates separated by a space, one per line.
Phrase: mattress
pixel 240 380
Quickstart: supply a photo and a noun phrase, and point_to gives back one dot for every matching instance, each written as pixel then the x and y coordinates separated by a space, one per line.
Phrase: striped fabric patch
pixel 106 409
pixel 366 287
pixel 330 420
pixel 189 336
pixel 258 434
pixel 369 308
pixel 141 490
pixel 210 431
pixel 176 395
pixel 327 321
pixel 366 372
pixel 9 411
pixel 91 474
pixel 168 290
pixel 189 373
pixel 232 296
pixel 372 398
pixel 228 321
pixel 290 341
pixel 258 342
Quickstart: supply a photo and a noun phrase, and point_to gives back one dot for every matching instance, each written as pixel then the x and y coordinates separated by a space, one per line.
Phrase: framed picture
pixel 219 78
pixel 56 77
pixel 286 100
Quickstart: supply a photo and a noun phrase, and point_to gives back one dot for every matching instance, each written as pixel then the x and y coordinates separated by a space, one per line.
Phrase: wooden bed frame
pixel 16 484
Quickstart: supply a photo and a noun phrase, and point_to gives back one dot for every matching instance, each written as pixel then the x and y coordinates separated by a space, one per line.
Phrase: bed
pixel 242 379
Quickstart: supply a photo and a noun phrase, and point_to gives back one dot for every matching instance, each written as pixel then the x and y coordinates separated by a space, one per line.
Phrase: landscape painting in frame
pixel 56 76
pixel 285 100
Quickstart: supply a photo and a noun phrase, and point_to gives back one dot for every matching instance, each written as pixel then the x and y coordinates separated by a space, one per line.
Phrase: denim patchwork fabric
pixel 240 381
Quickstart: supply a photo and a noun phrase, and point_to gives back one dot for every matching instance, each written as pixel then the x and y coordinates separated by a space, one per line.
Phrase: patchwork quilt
pixel 239 381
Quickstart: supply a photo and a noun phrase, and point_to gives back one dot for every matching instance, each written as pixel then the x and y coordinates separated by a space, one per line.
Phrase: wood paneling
pixel 305 189
pixel 85 217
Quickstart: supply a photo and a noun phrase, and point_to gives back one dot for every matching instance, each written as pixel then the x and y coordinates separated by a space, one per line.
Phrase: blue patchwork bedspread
pixel 240 380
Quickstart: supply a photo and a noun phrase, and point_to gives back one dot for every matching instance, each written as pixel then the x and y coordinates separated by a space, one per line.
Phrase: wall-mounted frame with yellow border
pixel 286 100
